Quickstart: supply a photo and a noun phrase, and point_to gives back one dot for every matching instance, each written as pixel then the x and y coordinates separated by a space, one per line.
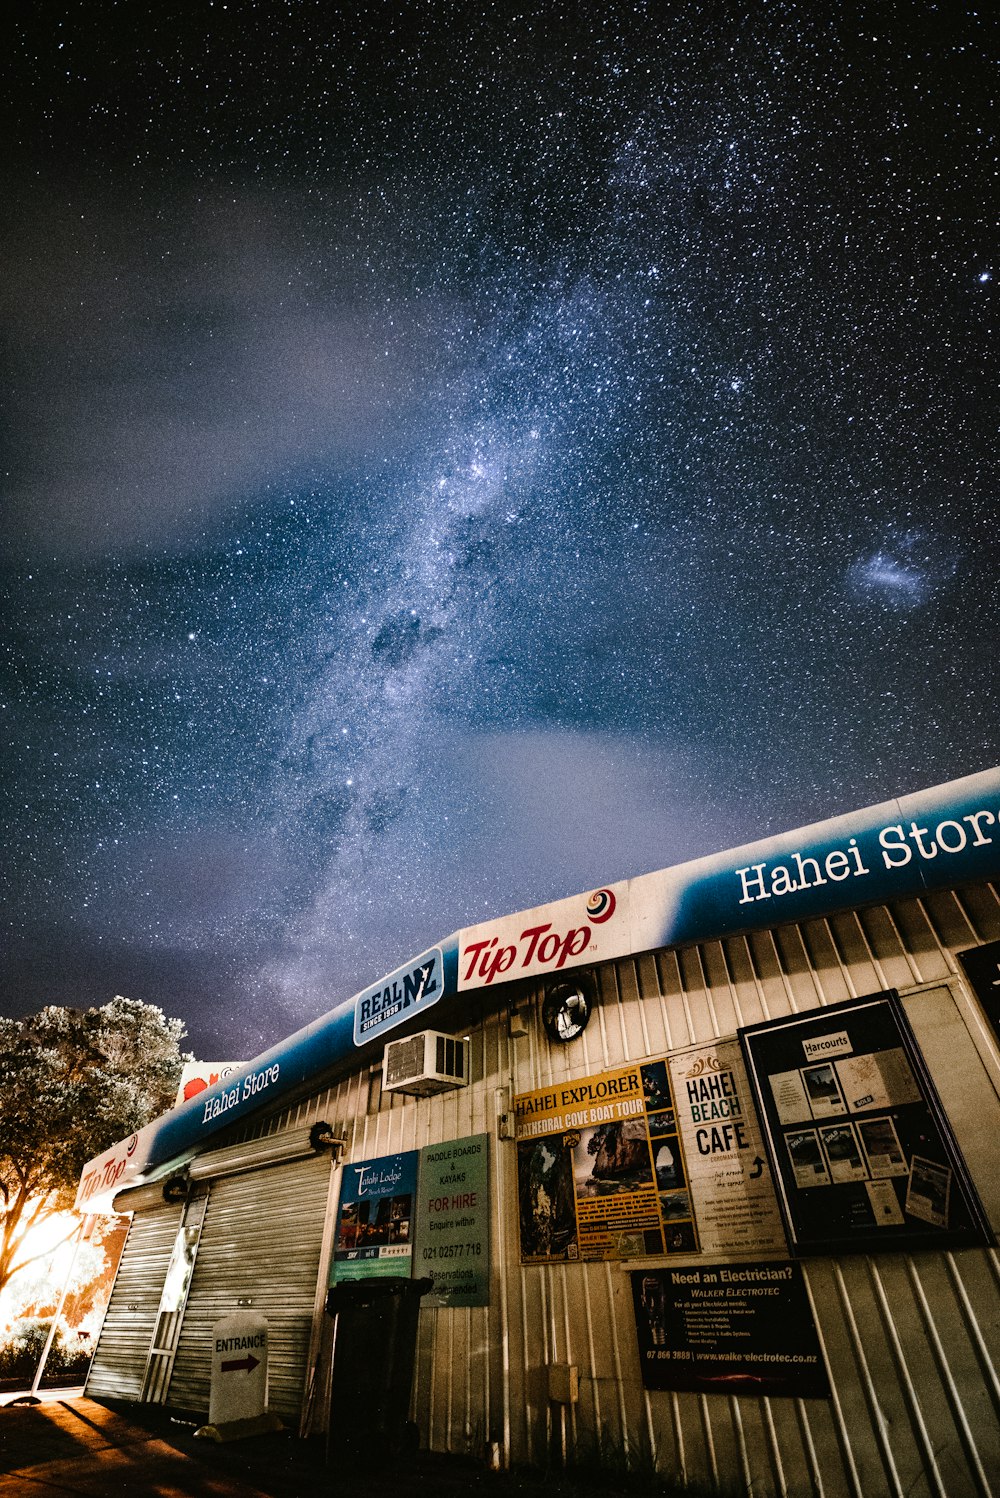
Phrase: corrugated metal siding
pixel 120 1359
pixel 912 1341
pixel 260 1240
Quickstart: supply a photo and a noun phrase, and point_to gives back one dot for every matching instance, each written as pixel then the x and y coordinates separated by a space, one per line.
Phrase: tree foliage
pixel 72 1083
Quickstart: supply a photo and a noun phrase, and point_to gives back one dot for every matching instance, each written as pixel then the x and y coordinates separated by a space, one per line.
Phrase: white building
pixel 738 1122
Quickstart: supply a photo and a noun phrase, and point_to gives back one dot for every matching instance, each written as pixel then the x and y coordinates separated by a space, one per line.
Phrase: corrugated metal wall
pixel 119 1363
pixel 912 1341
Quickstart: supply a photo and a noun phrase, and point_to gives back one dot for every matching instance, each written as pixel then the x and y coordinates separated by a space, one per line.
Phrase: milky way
pixel 453 459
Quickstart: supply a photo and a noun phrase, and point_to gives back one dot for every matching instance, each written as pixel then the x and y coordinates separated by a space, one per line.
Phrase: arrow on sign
pixel 249 1363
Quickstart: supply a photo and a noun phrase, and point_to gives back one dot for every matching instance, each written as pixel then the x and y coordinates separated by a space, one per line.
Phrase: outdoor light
pixel 175 1189
pixel 322 1137
pixel 567 1007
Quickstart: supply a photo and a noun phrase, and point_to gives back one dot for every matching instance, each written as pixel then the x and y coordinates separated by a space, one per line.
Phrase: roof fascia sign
pixel 568 933
pixel 937 838
pixel 941 837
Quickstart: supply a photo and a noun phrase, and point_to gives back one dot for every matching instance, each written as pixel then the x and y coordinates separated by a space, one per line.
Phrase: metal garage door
pixel 119 1364
pixel 260 1250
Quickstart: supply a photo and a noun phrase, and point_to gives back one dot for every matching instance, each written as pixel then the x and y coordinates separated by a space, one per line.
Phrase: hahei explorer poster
pixel 601 1169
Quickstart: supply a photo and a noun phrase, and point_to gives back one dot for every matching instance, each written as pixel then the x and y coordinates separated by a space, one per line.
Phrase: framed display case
pixel 861 1150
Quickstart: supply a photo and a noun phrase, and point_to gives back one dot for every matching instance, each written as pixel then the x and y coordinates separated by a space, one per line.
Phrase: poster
pixel 601 1169
pixel 735 1206
pixel 728 1329
pixel 860 1146
pixel 452 1222
pixel 375 1220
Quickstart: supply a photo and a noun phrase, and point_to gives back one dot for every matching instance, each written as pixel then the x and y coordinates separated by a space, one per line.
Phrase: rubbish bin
pixel 372 1376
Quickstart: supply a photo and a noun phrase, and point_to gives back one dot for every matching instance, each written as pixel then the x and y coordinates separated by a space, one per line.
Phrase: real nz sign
pixel 397 998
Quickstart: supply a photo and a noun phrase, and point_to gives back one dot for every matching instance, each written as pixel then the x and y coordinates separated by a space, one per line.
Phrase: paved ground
pixel 68 1445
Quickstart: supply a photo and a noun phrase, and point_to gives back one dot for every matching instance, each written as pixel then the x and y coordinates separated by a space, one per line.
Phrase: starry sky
pixel 458 455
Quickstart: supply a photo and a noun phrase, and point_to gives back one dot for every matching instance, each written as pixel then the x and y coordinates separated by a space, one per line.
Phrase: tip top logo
pixel 601 906
pixel 540 946
pixel 131 1146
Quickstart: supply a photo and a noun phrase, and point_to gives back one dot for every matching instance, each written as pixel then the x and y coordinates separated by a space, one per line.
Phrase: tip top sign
pixel 547 939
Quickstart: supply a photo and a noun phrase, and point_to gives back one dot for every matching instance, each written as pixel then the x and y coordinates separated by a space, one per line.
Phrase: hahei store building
pixel 703 1166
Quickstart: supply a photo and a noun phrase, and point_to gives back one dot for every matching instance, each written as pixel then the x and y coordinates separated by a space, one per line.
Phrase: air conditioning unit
pixel 424 1064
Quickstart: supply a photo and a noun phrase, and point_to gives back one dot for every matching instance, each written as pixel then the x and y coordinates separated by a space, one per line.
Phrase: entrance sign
pixel 452 1221
pixel 728 1329
pixel 239 1368
pixel 375 1226
pixel 735 1205
pixel 862 1153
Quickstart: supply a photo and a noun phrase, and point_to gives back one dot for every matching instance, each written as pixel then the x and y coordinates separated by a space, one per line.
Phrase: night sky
pixel 455 455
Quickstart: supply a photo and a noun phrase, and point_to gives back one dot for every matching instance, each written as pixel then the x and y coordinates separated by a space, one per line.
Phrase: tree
pixel 72 1083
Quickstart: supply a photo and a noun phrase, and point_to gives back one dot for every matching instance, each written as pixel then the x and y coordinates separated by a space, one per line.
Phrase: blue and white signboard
pixel 375 1226
pixel 395 999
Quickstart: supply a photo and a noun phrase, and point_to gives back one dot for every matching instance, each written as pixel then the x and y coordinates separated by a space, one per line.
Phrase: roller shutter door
pixel 260 1251
pixel 119 1364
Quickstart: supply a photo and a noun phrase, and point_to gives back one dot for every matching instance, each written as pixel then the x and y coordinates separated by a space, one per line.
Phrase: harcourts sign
pixel 395 999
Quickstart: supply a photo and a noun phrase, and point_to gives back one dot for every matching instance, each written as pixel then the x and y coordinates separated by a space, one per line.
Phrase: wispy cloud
pixel 167 361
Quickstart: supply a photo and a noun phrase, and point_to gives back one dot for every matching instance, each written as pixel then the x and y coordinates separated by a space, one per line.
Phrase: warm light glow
pixel 37 1286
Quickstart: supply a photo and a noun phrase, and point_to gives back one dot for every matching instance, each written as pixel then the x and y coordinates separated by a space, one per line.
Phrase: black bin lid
pixel 368 1291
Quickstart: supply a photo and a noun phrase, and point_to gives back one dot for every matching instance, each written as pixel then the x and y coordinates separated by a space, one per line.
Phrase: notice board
pixel 861 1149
